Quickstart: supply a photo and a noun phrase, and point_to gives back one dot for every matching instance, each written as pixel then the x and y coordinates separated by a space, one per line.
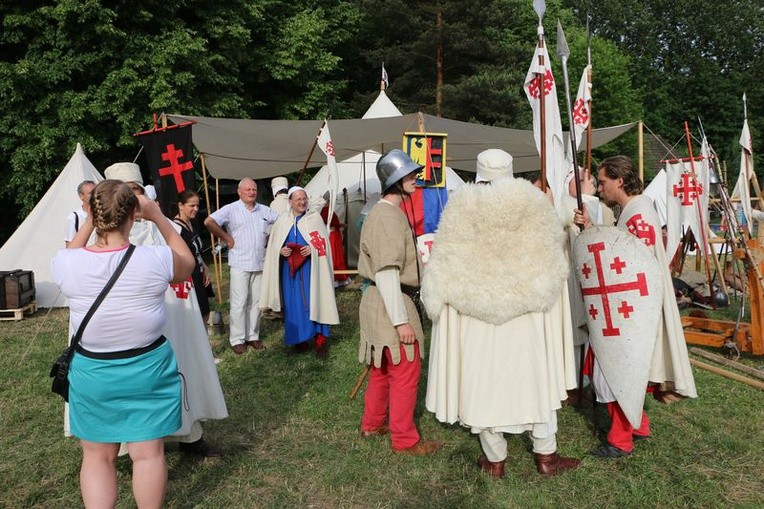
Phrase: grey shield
pixel 622 289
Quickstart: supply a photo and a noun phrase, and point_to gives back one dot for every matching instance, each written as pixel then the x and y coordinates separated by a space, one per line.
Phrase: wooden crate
pixel 18 314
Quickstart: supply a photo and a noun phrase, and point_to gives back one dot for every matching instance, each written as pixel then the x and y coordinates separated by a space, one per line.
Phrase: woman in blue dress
pixel 298 275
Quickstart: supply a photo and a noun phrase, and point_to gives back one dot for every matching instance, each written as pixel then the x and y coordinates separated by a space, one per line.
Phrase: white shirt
pixel 132 315
pixel 249 229
pixel 74 222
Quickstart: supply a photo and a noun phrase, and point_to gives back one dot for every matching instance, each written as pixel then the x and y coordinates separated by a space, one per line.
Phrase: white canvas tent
pixel 36 240
pixel 357 176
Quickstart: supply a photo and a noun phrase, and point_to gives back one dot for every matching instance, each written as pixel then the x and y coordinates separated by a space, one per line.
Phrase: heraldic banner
pixel 622 288
pixel 430 198
pixel 169 156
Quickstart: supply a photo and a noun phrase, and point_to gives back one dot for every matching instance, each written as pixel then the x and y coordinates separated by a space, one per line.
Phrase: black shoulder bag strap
pixel 99 299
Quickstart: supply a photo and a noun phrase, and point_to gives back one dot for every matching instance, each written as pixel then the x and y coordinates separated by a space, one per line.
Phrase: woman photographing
pixel 124 380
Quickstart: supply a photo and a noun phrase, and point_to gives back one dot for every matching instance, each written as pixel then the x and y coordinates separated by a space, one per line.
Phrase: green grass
pixel 292 441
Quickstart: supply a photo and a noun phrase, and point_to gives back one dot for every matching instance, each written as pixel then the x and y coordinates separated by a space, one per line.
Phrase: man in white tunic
pixel 495 287
pixel 670 374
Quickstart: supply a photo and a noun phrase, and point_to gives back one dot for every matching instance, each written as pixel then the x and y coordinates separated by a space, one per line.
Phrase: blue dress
pixel 295 293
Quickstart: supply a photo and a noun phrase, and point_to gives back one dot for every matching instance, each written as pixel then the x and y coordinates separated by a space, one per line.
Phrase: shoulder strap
pixel 76 221
pixel 100 298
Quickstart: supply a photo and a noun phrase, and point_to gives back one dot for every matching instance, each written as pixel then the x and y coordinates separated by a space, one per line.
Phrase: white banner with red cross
pixel 326 145
pixel 536 89
pixel 686 200
pixel 622 289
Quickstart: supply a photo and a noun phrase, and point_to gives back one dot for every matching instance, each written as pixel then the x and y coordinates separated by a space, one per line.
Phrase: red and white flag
pixel 581 114
pixel 556 165
pixel 327 147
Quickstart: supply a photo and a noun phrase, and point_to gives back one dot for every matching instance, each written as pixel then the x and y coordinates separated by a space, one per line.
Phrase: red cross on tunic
pixel 580 112
pixel 176 168
pixel 534 85
pixel 641 229
pixel 689 190
pixel 605 291
pixel 318 243
pixel 182 289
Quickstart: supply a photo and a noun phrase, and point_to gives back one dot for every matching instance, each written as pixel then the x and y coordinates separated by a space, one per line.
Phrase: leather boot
pixel 552 464
pixel 494 469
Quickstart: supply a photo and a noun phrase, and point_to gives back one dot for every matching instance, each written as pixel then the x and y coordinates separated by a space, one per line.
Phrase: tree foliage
pixel 94 71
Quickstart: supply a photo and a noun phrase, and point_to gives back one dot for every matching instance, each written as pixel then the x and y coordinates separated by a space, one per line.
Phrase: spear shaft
pixel 563 53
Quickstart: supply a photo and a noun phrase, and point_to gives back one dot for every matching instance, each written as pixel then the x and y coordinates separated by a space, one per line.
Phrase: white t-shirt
pixel 132 315
pixel 74 222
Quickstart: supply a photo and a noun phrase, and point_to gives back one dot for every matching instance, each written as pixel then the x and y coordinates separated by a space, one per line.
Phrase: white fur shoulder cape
pixel 499 253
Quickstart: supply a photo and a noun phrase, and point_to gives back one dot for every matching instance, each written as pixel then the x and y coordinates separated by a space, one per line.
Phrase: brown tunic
pixel 386 242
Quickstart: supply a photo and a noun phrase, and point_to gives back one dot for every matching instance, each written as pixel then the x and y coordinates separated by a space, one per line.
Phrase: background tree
pixel 689 58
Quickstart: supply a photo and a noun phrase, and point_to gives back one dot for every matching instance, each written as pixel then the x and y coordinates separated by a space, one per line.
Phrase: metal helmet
pixel 393 166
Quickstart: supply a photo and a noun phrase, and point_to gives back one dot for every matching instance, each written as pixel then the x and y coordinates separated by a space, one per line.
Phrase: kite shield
pixel 622 288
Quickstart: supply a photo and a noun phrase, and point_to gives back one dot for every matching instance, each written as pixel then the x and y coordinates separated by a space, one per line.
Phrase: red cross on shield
pixel 622 287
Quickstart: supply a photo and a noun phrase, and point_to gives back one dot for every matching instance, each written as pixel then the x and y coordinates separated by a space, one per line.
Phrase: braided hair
pixel 111 203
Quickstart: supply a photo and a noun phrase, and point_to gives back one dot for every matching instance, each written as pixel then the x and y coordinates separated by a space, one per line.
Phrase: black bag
pixel 60 375
pixel 59 372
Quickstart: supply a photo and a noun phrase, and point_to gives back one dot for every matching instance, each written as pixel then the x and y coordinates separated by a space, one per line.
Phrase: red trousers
pixel 622 432
pixel 392 390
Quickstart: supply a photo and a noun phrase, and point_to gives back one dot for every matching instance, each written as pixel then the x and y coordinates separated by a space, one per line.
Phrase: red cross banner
pixel 556 165
pixel 622 290
pixel 686 202
pixel 170 159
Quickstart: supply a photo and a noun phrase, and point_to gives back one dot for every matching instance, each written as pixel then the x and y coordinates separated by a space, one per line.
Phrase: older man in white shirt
pixel 248 224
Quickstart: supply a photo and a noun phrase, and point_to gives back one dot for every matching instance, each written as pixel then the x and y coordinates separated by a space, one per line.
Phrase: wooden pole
pixel 641 149
pixel 219 255
pixel 307 161
pixel 212 237
pixel 727 374
pixel 542 110
pixel 728 362
pixel 702 224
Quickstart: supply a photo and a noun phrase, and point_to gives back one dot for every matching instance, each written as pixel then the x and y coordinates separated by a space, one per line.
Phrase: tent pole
pixel 212 237
pixel 641 149
pixel 363 169
pixel 219 255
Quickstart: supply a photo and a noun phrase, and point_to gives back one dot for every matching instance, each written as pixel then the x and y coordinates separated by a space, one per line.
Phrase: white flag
pixel 327 147
pixel 742 189
pixel 384 77
pixel 556 165
pixel 581 114
pixel 684 192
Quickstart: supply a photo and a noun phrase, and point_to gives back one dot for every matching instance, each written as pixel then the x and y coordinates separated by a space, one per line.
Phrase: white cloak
pixel 511 376
pixel 202 395
pixel 323 305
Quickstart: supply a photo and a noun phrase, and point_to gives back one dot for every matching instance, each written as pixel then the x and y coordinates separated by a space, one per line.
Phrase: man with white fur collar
pixel 501 351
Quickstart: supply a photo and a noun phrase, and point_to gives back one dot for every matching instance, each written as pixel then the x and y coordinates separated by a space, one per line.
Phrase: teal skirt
pixel 130 396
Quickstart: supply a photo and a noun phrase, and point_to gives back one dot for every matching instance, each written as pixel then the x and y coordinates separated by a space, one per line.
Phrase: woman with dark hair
pixel 124 381
pixel 188 208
